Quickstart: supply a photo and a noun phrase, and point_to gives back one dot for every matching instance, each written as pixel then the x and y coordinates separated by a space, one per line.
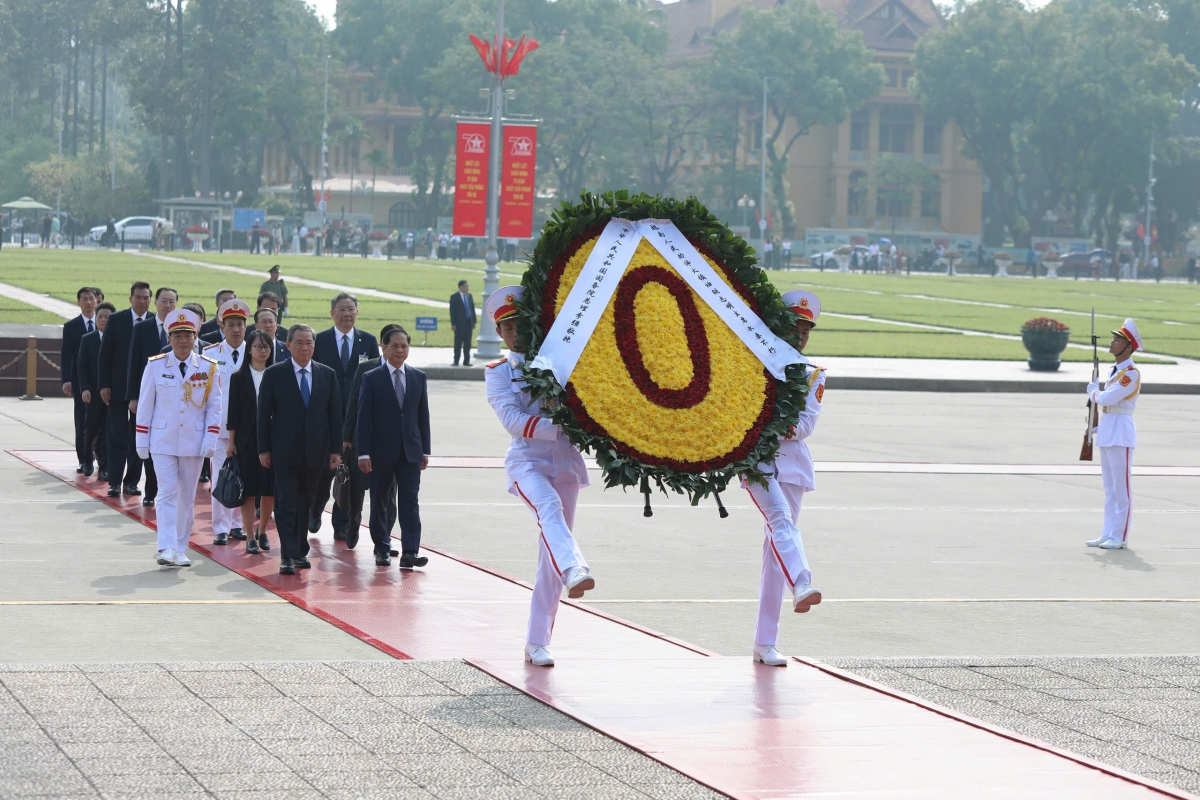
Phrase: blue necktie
pixel 304 393
pixel 345 354
pixel 162 336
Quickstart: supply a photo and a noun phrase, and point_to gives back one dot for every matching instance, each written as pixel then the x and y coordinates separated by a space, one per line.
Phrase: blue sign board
pixel 244 218
pixel 427 323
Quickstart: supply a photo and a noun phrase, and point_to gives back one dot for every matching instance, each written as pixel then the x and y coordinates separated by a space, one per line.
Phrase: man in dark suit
pixel 124 467
pixel 275 303
pixel 299 437
pixel 149 338
pixel 360 482
pixel 462 321
pixel 87 366
pixel 340 348
pixel 394 445
pixel 211 328
pixel 73 332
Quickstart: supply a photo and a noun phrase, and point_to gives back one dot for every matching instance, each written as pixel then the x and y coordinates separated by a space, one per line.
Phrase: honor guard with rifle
pixel 1116 435
pixel 178 421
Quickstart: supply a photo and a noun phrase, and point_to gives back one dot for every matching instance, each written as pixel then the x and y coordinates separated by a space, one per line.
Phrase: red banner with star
pixel 471 179
pixel 518 173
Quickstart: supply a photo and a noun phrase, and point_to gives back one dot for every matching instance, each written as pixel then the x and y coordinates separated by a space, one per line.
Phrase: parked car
pixel 135 229
pixel 1083 262
pixel 829 260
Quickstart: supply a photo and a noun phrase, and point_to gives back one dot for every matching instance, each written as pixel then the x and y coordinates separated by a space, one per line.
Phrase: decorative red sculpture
pixel 511 57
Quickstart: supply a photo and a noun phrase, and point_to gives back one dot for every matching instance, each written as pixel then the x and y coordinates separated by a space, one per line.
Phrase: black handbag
pixel 229 490
pixel 341 486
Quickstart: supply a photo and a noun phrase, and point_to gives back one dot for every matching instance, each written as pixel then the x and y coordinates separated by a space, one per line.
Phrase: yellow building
pixel 828 168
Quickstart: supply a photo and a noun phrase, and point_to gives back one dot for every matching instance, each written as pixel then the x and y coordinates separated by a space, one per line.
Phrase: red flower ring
pixel 693 327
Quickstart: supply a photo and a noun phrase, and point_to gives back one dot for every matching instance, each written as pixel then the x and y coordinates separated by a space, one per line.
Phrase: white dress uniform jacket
pixel 793 463
pixel 168 422
pixel 1117 401
pixel 537 443
pixel 222 353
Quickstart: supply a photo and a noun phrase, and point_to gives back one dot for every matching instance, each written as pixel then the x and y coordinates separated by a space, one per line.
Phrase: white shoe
pixel 181 559
pixel 1111 544
pixel 578 580
pixel 538 656
pixel 767 654
pixel 804 597
pixel 166 558
pixel 1096 542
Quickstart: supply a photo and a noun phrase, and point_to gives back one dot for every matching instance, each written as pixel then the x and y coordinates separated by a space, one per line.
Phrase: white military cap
pixel 804 303
pixel 502 303
pixel 182 319
pixel 1130 332
pixel 233 308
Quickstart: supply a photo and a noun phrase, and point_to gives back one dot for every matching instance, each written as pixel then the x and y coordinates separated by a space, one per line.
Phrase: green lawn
pixel 1167 314
pixel 16 311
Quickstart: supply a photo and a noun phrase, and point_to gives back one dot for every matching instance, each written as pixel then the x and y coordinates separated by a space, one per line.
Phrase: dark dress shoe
pixel 314 522
pixel 79 470
pixel 103 475
pixel 252 548
pixel 302 563
pixel 148 502
pixel 264 542
pixel 339 535
pixel 287 567
pixel 88 469
pixel 410 560
pixel 238 533
pixel 351 538
pixel 393 553
pixel 114 491
pixel 221 538
pixel 382 561
pixel 130 489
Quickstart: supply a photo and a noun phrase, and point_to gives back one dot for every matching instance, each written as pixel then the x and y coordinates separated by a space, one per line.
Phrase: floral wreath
pixel 664 391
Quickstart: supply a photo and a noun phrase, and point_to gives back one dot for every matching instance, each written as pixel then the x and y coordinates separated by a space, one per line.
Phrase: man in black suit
pixel 275 303
pixel 462 321
pixel 211 327
pixel 73 332
pixel 87 366
pixel 340 348
pixel 299 437
pixel 394 445
pixel 149 339
pixel 267 319
pixel 124 467
pixel 359 481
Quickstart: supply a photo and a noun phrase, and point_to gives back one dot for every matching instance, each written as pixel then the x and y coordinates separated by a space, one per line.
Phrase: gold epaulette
pixel 156 358
pixel 211 346
pixel 206 358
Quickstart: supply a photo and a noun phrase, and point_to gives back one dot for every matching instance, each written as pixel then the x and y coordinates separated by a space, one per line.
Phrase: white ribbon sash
pixel 597 283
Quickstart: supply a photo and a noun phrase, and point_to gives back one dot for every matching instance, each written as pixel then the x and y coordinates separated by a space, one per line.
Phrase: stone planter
pixel 377 246
pixel 1044 348
pixel 1002 265
pixel 1052 268
pixel 843 263
pixel 198 240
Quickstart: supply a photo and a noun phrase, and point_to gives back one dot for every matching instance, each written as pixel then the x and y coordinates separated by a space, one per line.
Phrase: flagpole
pixel 489 342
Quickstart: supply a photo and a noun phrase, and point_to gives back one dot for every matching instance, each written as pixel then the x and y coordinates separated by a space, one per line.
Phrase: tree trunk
pixel 181 159
pixel 92 98
pixel 103 95
pixel 163 188
pixel 74 95
pixel 205 143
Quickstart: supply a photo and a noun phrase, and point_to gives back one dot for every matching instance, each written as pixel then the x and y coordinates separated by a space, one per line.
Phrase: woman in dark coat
pixel 243 437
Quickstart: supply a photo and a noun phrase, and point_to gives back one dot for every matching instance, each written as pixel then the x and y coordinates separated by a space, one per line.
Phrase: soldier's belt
pixel 1116 410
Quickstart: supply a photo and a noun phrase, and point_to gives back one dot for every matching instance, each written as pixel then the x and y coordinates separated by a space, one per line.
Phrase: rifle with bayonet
pixel 1093 413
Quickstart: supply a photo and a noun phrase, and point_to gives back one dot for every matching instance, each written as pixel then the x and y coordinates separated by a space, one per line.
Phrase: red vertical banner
pixel 471 179
pixel 518 172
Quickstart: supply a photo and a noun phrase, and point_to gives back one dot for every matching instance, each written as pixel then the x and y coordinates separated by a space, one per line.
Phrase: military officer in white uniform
pixel 784 565
pixel 230 354
pixel 545 470
pixel 178 421
pixel 1116 435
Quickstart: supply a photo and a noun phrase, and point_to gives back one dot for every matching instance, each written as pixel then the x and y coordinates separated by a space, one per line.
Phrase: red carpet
pixel 748 731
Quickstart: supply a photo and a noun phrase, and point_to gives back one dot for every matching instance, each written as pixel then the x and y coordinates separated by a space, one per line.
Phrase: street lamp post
pixel 1148 238
pixel 324 149
pixel 762 157
pixel 489 342
pixel 745 203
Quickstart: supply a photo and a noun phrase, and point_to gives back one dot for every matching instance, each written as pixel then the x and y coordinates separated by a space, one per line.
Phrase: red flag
pixel 471 178
pixel 512 63
pixel 485 52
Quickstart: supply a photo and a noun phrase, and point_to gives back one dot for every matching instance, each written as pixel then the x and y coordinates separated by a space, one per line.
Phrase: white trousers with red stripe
pixel 553 505
pixel 223 519
pixel 1115 463
pixel 175 507
pixel 784 564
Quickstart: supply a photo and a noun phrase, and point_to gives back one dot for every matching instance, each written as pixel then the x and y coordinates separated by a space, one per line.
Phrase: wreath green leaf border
pixel 696 222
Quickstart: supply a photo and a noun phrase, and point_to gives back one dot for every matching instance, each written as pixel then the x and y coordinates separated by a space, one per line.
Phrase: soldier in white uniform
pixel 1116 435
pixel 545 470
pixel 229 354
pixel 178 420
pixel 784 565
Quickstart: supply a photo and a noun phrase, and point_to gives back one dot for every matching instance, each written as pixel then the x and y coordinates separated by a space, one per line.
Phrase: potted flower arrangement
pixel 377 239
pixel 950 256
pixel 1053 261
pixel 197 234
pixel 842 256
pixel 1045 339
pixel 1003 261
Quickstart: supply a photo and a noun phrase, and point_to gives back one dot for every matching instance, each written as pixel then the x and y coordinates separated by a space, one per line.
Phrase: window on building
pixel 893 206
pixel 932 145
pixel 402 154
pixel 893 79
pixel 931 205
pixel 896 127
pixel 860 133
pixel 905 77
pixel 893 10
pixel 856 198
pixel 402 216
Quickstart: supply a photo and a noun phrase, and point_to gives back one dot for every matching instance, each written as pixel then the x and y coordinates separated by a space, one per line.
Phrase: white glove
pixel 209 452
pixel 143 453
pixel 1093 386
